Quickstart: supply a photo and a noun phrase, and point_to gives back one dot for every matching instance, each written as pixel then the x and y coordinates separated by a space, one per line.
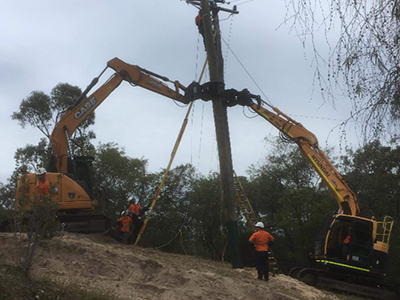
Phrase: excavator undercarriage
pixel 346 283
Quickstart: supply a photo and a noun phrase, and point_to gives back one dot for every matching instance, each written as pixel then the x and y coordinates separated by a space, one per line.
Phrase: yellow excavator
pixel 71 175
pixel 350 252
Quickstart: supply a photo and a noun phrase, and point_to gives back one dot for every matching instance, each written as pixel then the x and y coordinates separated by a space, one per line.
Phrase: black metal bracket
pixel 206 91
pixel 212 90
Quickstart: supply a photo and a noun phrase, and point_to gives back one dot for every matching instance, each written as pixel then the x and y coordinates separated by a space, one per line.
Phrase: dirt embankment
pixel 95 262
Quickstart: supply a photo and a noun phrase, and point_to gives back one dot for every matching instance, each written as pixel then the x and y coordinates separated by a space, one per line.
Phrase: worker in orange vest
pixel 261 240
pixel 126 221
pixel 134 208
pixel 136 212
pixel 42 186
pixel 199 22
pixel 345 249
pixel 347 239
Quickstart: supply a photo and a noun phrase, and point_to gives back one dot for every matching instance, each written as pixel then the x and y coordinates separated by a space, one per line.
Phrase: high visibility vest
pixel 125 223
pixel 134 209
pixel 261 239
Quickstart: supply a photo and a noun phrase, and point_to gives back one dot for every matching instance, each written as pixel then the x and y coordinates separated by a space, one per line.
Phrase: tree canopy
pixel 363 57
pixel 374 174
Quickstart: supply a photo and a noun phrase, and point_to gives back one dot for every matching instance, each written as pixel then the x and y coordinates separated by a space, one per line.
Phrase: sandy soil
pixel 96 262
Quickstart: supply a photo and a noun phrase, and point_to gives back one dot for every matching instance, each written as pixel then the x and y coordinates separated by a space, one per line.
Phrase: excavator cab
pixel 81 170
pixel 349 243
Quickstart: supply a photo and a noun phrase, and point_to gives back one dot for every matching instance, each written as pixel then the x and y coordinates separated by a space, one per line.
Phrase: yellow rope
pixel 178 140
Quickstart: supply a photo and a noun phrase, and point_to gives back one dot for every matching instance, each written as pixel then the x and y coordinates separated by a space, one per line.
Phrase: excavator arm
pixel 82 108
pixel 290 129
pixel 308 145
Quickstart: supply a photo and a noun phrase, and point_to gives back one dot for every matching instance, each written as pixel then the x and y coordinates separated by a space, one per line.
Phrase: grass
pixel 15 286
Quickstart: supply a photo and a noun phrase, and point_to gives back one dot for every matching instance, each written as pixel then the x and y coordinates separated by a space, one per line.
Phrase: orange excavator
pixel 350 252
pixel 71 175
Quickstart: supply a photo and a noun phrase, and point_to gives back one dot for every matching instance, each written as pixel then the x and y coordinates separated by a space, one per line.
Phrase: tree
pixel 31 157
pixel 34 222
pixel 285 168
pixel 27 160
pixel 170 216
pixel 43 111
pixel 374 174
pixel 206 225
pixel 364 58
pixel 119 178
pixel 36 111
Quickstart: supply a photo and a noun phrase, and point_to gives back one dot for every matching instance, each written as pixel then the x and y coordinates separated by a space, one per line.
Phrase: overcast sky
pixel 44 43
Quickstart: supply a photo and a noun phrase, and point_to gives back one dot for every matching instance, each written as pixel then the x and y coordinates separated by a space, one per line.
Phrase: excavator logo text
pixel 92 101
pixel 320 166
pixel 155 84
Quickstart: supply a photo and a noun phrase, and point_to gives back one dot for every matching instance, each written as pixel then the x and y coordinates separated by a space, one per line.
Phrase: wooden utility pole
pixel 215 63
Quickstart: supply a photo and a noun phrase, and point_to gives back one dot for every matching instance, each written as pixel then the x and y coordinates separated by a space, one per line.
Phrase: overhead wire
pixel 244 68
pixel 233 1
pixel 229 39
pixel 269 103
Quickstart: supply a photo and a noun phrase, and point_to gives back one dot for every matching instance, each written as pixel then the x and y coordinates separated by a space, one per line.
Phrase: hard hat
pixel 41 171
pixel 123 212
pixel 260 224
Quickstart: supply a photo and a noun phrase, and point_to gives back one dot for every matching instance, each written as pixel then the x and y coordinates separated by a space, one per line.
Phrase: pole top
pixel 197 4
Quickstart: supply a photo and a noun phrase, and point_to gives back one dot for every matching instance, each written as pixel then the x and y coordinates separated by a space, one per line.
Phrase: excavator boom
pixel 291 130
pixel 308 145
pixel 74 115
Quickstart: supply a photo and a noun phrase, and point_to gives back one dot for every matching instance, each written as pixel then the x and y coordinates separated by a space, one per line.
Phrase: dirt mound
pixel 96 262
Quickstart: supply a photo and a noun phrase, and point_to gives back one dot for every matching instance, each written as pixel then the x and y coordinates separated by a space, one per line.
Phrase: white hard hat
pixel 260 224
pixel 41 171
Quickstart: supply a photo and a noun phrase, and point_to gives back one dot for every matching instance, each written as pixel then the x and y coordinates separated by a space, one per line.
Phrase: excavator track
pixel 345 283
pixel 84 223
pixel 79 223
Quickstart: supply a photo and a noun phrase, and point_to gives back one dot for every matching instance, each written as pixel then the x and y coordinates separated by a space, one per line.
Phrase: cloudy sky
pixel 46 42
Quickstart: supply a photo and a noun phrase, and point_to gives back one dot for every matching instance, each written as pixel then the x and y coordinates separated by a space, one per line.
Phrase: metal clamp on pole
pixel 205 91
